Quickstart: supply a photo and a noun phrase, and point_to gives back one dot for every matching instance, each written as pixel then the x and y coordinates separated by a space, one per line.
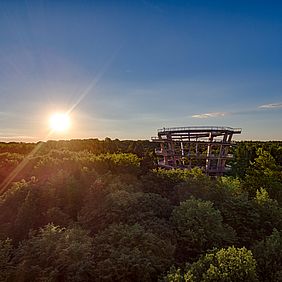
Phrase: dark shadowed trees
pixel 129 253
pixel 55 254
pixel 6 254
pixel 268 254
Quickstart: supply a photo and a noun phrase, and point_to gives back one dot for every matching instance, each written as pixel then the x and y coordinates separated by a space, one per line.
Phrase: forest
pixel 101 210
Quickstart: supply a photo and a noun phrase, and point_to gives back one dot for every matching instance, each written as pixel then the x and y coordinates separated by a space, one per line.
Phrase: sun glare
pixel 59 122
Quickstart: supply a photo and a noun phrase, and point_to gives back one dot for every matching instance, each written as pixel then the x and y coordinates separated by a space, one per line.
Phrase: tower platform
pixel 205 147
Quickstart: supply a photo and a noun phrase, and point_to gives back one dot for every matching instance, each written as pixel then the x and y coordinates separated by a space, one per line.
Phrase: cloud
pixel 271 106
pixel 210 115
pixel 17 137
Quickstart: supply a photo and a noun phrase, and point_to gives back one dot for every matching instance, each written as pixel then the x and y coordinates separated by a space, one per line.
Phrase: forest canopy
pixel 101 210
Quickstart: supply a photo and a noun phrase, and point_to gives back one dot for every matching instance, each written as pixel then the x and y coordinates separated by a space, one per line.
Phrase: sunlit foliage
pixel 231 264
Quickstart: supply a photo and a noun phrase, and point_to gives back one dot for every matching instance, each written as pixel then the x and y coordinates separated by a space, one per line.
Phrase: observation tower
pixel 205 147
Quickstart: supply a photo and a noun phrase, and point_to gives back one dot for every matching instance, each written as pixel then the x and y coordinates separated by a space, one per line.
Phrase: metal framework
pixel 201 146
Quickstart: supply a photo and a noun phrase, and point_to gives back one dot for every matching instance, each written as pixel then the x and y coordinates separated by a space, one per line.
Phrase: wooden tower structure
pixel 201 146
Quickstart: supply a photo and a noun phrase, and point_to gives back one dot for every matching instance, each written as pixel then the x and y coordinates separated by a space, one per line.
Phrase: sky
pixel 123 69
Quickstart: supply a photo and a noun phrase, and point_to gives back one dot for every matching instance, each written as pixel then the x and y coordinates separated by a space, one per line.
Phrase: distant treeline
pixel 244 152
pixel 95 146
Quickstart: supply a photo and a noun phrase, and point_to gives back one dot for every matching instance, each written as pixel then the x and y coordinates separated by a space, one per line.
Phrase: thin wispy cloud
pixel 271 106
pixel 17 137
pixel 210 115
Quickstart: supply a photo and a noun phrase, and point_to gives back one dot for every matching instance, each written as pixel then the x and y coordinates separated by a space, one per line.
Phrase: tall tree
pixel 199 227
pixel 224 265
pixel 55 254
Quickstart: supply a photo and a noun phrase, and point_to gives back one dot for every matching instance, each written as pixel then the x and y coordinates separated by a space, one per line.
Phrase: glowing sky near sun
pixel 122 69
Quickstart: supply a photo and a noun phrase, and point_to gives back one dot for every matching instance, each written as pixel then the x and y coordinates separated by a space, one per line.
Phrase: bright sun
pixel 59 122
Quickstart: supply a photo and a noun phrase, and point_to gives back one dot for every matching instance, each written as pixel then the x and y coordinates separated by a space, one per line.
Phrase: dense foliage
pixel 91 210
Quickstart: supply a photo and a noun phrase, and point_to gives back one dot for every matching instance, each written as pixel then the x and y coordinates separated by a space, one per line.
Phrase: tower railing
pixel 204 128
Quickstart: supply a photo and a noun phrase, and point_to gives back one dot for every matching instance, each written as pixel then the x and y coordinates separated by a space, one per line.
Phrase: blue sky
pixel 125 68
